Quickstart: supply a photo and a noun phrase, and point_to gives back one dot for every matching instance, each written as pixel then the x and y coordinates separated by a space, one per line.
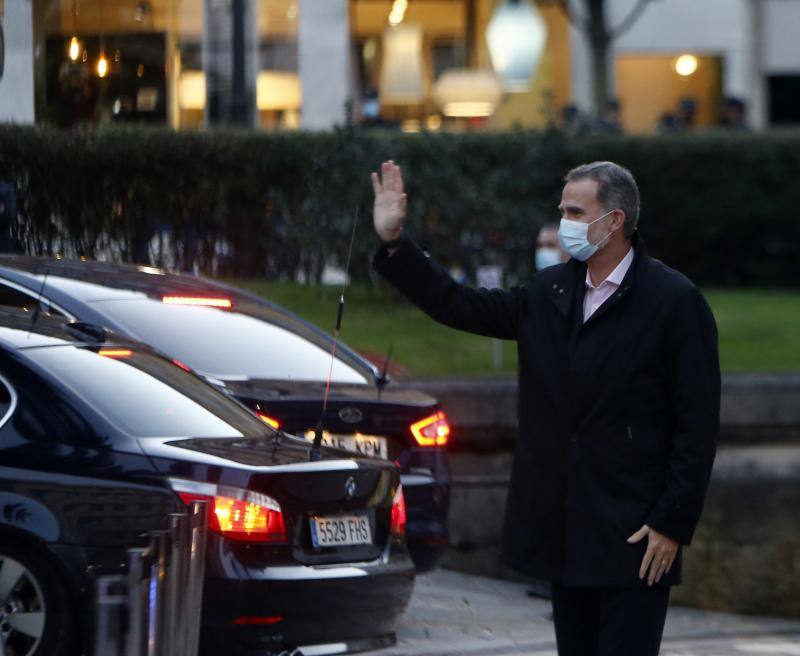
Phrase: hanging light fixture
pixel 74 48
pixel 516 36
pixel 401 78
pixel 467 93
pixel 102 63
pixel 398 12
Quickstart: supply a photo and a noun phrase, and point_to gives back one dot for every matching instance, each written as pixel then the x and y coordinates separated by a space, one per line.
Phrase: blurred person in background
pixel 548 250
pixel 573 123
pixel 8 213
pixel 734 111
pixel 686 115
pixel 371 111
pixel 619 392
pixel 610 120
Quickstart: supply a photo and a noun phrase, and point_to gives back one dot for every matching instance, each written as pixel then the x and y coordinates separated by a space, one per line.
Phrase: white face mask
pixel 574 238
pixel 547 257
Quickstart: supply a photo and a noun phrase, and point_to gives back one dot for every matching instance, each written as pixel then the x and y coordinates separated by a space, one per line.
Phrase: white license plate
pixel 341 530
pixel 366 445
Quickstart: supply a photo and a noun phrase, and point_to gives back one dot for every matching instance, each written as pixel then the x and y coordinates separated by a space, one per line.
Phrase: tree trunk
pixel 599 41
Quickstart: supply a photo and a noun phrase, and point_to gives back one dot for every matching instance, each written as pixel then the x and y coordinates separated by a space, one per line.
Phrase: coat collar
pixel 571 280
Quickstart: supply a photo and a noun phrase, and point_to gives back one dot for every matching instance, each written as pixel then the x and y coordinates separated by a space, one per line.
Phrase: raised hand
pixel 389 212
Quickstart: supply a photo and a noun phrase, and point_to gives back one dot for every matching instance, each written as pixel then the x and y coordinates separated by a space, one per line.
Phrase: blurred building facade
pixel 414 64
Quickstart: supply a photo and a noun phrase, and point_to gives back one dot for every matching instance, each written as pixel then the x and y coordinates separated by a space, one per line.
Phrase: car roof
pixel 20 329
pixel 135 279
pixel 89 280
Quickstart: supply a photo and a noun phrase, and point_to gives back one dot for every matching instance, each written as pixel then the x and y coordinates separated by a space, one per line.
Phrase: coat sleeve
pixel 694 380
pixel 488 312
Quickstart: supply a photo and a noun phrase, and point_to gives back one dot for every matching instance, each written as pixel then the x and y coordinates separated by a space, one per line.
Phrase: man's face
pixel 579 203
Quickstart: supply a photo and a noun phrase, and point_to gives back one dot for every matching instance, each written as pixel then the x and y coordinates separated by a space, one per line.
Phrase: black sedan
pixel 270 359
pixel 101 438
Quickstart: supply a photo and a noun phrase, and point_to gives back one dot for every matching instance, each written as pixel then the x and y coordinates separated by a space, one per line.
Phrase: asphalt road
pixel 454 614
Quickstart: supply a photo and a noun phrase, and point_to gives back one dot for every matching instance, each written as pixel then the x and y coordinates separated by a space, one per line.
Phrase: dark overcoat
pixel 618 416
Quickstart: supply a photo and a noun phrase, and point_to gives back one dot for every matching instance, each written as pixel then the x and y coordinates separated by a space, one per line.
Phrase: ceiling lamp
pixel 102 65
pixel 686 65
pixel 516 36
pixel 398 12
pixel 74 50
pixel 468 93
pixel 401 79
pixel 277 90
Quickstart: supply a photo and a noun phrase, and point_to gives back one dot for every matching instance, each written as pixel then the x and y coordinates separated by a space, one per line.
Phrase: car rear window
pixel 227 344
pixel 145 395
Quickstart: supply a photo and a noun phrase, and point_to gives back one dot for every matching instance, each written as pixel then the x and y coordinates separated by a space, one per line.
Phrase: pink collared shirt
pixel 596 296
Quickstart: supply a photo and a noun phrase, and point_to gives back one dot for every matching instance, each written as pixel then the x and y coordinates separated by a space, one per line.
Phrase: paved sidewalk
pixel 454 614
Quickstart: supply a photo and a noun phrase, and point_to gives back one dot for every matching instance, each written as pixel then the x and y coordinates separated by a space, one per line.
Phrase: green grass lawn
pixel 758 329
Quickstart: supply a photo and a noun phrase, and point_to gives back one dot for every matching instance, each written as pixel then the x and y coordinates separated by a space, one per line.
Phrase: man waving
pixel 619 389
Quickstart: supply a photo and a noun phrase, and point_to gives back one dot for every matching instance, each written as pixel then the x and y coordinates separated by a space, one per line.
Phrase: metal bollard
pixel 198 523
pixel 175 614
pixel 110 606
pixel 158 575
pixel 162 593
pixel 137 603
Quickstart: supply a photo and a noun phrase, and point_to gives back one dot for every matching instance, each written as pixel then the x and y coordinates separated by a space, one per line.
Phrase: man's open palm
pixel 389 212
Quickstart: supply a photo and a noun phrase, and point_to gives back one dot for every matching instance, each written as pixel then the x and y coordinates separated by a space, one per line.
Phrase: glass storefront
pixel 420 64
pixel 427 65
pixel 183 63
pixel 405 64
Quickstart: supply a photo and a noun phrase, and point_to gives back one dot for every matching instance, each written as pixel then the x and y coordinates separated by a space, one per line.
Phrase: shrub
pixel 719 207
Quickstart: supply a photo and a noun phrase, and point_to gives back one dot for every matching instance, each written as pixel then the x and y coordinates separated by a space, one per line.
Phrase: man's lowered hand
pixel 660 554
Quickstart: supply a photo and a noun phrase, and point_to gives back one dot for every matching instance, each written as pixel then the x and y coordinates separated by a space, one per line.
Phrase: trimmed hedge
pixel 719 207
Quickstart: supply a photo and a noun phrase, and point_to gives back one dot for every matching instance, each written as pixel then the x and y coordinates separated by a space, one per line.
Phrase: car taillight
pixel 269 421
pixel 250 620
pixel 431 431
pixel 235 513
pixel 203 301
pixel 399 512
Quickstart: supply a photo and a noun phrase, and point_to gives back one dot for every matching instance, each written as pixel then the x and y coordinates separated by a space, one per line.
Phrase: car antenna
pixel 383 376
pixel 315 452
pixel 38 309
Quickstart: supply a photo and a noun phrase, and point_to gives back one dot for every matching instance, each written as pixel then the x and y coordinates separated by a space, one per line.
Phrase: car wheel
pixel 35 619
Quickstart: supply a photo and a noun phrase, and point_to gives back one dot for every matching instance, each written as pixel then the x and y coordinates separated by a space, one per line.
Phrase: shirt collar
pixel 617 275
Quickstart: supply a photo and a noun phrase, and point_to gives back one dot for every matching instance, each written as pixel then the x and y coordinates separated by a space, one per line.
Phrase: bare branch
pixel 630 19
pixel 575 17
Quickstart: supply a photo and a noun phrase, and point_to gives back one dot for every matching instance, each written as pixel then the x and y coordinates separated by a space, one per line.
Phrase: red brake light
pixel 115 353
pixel 399 512
pixel 248 620
pixel 204 301
pixel 244 515
pixel 180 364
pixel 431 431
pixel 270 421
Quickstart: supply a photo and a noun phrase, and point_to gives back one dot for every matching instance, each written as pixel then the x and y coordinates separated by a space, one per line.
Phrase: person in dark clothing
pixel 8 214
pixel 733 114
pixel 619 389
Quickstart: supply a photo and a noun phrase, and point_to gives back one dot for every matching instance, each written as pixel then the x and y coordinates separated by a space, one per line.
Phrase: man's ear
pixel 619 219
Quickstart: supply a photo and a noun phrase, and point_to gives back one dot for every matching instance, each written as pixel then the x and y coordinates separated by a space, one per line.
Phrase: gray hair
pixel 616 189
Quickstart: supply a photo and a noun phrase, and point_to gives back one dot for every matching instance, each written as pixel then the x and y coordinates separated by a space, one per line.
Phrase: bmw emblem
pixel 351 415
pixel 350 488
